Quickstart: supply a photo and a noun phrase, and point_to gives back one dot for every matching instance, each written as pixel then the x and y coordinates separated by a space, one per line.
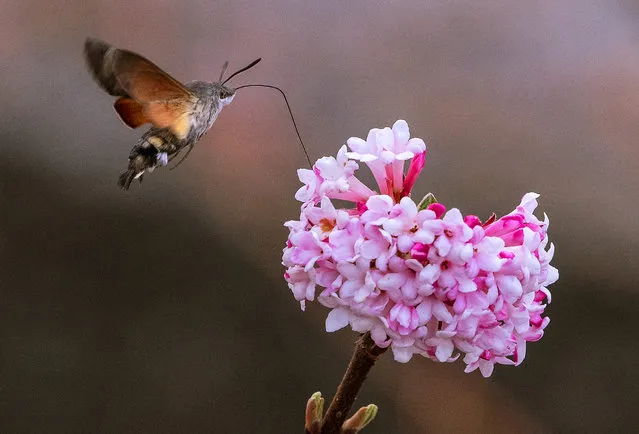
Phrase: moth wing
pixel 173 114
pixel 131 112
pixel 101 60
pixel 162 114
pixel 168 104
pixel 165 101
pixel 145 81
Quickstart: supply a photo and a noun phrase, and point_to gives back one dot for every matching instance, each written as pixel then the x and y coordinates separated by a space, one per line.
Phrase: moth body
pixel 158 146
pixel 179 114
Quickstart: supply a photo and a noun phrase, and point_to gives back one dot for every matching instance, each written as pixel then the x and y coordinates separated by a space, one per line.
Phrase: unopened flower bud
pixel 360 419
pixel 314 413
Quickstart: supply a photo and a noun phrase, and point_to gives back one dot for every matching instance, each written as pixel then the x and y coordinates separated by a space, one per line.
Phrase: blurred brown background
pixel 163 309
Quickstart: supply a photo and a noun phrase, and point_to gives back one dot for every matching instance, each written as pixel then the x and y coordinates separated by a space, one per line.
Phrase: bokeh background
pixel 163 309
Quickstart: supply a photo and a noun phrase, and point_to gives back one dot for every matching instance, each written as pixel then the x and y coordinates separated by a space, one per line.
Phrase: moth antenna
pixel 289 111
pixel 226 65
pixel 250 65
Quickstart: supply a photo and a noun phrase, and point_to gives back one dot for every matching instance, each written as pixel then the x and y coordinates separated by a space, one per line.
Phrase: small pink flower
pixel 385 151
pixel 309 192
pixel 422 281
pixel 335 172
pixel 401 218
pixel 403 319
pixel 302 283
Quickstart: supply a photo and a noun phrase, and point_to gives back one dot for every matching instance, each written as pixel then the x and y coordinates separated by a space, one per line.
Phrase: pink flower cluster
pixel 421 279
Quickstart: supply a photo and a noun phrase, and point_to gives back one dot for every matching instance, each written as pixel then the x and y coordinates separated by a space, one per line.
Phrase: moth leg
pixel 188 151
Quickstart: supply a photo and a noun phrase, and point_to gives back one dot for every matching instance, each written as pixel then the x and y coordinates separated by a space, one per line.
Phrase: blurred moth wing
pixel 147 93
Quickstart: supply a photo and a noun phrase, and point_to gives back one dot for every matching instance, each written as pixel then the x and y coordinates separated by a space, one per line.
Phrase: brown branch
pixel 365 355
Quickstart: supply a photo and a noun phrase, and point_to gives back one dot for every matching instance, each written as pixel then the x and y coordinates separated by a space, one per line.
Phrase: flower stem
pixel 364 357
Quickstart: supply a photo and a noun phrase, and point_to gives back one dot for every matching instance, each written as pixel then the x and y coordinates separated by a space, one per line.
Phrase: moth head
pixel 226 95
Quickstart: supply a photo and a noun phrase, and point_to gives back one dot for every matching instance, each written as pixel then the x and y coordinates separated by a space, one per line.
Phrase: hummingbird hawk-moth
pixel 179 114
